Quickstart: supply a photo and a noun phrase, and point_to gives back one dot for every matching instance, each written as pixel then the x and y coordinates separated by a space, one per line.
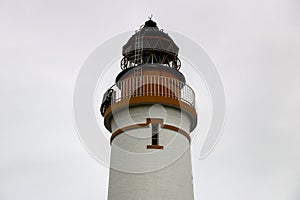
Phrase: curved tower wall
pixel 138 172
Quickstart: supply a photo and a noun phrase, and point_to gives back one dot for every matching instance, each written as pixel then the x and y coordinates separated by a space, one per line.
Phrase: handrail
pixel 151 85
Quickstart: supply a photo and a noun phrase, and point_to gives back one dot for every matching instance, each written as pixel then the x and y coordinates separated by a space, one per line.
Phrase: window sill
pixel 155 147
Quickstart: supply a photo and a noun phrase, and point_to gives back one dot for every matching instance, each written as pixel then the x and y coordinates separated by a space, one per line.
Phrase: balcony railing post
pixel 169 92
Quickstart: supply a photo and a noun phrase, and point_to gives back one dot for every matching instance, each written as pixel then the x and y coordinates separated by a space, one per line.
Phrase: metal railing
pixel 147 85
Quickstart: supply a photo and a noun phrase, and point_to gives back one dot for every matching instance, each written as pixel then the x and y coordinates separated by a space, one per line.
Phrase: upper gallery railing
pixel 153 86
pixel 148 85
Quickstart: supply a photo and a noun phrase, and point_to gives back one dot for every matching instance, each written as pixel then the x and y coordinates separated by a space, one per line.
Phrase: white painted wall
pixel 140 173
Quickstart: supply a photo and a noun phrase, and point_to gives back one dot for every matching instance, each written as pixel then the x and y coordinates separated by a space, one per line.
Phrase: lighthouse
pixel 150 112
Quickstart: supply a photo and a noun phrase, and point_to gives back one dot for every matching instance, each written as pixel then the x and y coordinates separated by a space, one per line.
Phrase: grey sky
pixel 254 44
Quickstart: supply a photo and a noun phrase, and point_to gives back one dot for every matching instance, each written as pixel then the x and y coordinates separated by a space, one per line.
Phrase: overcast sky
pixel 254 44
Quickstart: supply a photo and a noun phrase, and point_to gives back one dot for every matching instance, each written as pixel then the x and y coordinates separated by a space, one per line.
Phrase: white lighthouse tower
pixel 150 111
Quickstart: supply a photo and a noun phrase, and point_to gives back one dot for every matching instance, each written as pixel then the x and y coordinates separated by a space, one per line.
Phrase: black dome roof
pixel 150 23
pixel 153 39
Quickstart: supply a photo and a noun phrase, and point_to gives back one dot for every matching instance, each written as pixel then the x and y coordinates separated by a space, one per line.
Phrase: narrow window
pixel 155 137
pixel 154 134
